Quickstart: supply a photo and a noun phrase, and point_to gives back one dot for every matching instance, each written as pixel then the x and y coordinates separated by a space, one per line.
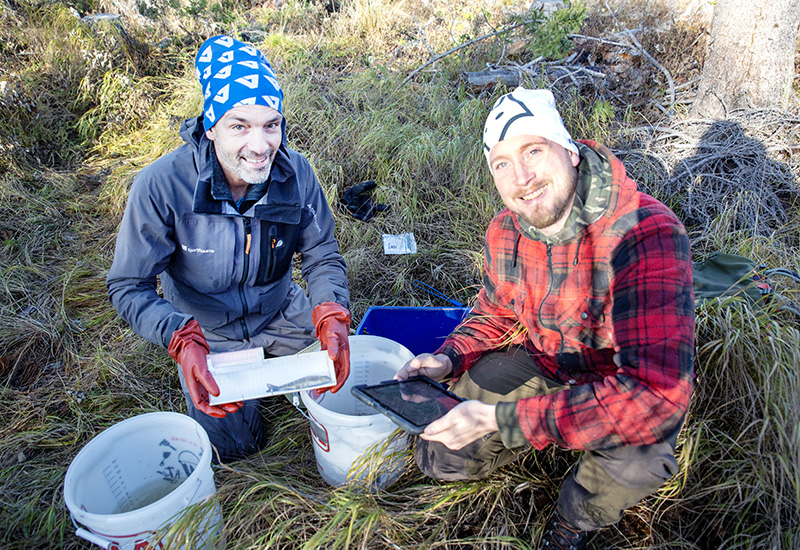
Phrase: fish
pixel 300 383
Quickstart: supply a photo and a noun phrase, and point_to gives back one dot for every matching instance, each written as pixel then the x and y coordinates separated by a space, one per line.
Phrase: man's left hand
pixel 464 424
pixel 332 322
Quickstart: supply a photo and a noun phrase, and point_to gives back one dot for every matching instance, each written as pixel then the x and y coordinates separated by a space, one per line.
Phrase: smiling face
pixel 246 140
pixel 536 179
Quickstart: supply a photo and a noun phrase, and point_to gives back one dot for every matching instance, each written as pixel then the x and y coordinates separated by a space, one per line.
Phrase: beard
pixel 542 218
pixel 246 173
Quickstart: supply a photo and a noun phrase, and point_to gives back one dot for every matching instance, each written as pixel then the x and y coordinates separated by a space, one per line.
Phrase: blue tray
pixel 420 329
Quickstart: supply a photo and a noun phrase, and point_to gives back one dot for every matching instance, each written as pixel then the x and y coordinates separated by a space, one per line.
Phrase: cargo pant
pixel 595 493
pixel 243 433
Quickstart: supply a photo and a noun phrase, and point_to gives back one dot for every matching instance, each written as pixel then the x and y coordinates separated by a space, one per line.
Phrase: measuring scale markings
pixel 113 475
pixel 147 494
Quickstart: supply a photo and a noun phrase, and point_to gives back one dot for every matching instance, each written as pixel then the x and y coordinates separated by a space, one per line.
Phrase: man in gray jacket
pixel 219 220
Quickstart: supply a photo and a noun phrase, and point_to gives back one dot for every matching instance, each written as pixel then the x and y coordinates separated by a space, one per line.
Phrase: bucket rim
pixel 312 405
pixel 315 407
pixel 363 338
pixel 69 487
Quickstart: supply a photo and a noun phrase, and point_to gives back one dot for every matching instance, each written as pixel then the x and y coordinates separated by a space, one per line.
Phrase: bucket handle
pixel 296 402
pixel 93 538
pixel 199 484
pixel 85 534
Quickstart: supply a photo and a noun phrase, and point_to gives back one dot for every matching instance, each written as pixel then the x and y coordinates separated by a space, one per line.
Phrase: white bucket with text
pixel 351 438
pixel 141 476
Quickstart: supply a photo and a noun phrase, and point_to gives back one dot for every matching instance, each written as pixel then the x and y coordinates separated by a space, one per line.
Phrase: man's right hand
pixel 465 423
pixel 188 347
pixel 436 367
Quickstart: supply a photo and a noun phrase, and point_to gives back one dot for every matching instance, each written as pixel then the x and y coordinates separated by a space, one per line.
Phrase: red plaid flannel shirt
pixel 610 313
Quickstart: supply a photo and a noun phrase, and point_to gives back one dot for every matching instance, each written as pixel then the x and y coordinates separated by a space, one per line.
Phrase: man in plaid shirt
pixel 583 333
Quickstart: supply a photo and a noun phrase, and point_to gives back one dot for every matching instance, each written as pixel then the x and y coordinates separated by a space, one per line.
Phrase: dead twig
pixel 436 58
pixel 650 58
pixel 603 41
pixel 728 169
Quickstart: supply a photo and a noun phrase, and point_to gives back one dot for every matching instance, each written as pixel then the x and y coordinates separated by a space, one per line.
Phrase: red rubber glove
pixel 332 322
pixel 188 347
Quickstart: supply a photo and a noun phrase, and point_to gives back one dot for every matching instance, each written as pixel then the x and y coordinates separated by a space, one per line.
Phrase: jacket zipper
pixel 550 278
pixel 273 239
pixel 549 281
pixel 245 269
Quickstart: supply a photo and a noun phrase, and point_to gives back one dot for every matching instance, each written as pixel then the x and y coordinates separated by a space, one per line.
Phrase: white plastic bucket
pixel 343 427
pixel 139 476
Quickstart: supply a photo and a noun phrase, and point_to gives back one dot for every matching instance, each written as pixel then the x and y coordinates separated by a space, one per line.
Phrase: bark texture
pixel 750 59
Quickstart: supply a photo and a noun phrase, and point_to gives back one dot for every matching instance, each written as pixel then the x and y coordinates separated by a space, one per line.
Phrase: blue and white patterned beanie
pixel 525 112
pixel 233 74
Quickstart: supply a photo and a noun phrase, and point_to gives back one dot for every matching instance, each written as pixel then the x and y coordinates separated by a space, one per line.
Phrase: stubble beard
pixel 248 175
pixel 542 219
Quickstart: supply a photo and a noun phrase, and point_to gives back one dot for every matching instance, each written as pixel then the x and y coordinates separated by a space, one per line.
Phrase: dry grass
pixel 110 102
pixel 731 177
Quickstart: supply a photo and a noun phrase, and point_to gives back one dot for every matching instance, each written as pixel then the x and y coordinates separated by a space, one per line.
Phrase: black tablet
pixel 411 404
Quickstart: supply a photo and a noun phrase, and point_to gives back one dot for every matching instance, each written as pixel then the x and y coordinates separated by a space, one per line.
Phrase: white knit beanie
pixel 525 112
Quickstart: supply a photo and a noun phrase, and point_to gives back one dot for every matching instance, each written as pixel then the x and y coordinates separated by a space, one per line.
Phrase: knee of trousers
pixel 236 435
pixel 648 466
pixel 472 462
pixel 438 462
pixel 605 484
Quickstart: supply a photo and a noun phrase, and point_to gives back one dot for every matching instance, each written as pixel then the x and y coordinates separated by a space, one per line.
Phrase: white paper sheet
pixel 245 374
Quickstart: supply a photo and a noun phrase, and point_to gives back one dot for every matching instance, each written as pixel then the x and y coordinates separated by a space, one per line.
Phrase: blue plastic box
pixel 420 329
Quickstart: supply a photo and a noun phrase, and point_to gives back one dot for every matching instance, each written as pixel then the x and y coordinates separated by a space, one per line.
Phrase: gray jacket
pixel 173 228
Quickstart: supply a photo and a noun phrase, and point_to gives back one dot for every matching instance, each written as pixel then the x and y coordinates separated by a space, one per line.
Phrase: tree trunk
pixel 750 59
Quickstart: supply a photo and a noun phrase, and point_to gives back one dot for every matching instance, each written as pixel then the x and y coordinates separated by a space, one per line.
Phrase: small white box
pixel 245 374
pixel 405 243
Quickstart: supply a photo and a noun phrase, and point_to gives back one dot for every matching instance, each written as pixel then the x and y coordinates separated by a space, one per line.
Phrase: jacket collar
pixel 280 203
pixel 592 194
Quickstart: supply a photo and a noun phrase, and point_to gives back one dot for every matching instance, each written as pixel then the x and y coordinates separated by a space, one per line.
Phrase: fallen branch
pixel 555 70
pixel 494 76
pixel 640 48
pixel 436 58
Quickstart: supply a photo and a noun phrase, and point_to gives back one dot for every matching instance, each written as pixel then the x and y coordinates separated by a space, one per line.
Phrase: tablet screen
pixel 417 400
